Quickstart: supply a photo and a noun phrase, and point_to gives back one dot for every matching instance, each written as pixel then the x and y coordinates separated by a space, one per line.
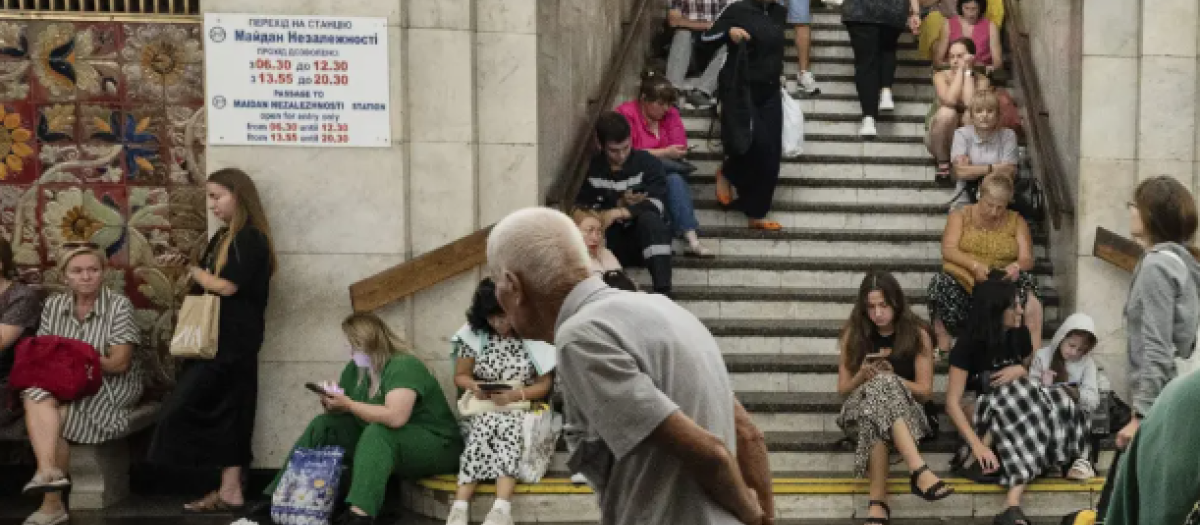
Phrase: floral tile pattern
pixel 102 141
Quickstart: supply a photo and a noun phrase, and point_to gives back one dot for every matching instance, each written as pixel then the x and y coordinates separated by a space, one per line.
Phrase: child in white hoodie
pixel 1067 363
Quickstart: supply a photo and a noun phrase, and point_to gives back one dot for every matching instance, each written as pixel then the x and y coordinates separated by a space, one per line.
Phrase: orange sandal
pixel 724 192
pixel 763 224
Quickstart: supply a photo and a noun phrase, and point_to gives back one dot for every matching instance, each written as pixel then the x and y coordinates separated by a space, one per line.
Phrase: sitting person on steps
pixel 92 313
pixel 955 87
pixel 591 225
pixel 885 372
pixel 20 307
pixel 388 413
pixel 982 148
pixel 629 189
pixel 688 19
pixel 990 359
pixel 1067 363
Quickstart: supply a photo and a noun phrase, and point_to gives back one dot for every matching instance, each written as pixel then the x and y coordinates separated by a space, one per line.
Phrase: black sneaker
pixel 700 100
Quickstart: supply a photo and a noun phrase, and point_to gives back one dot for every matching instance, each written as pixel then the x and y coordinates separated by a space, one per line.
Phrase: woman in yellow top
pixel 979 239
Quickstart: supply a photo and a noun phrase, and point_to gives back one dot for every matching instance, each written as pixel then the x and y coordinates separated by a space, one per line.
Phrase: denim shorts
pixel 799 11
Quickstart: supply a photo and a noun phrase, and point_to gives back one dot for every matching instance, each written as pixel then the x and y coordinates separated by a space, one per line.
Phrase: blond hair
pixel 579 214
pixel 985 99
pixel 367 332
pixel 70 254
pixel 997 186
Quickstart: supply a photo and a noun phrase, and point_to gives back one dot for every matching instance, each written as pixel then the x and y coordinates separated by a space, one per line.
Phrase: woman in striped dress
pixel 100 317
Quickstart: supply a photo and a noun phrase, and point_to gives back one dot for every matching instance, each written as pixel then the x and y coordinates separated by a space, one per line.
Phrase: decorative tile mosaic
pixel 101 140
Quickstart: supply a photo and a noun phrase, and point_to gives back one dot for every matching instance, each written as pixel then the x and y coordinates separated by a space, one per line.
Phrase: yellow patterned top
pixel 997 248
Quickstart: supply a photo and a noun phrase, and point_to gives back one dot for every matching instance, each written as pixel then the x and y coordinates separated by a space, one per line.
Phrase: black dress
pixel 209 418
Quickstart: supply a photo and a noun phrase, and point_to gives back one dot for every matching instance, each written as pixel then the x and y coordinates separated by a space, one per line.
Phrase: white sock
pixel 502 506
pixel 460 504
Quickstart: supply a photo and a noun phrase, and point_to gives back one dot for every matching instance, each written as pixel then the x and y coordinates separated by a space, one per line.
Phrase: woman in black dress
pixel 208 420
pixel 751 107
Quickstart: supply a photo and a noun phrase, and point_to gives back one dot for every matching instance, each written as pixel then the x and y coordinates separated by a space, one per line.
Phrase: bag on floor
pixel 308 489
pixel 793 126
pixel 541 429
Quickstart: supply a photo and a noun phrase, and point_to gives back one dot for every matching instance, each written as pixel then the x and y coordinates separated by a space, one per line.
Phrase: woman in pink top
pixel 658 129
pixel 971 23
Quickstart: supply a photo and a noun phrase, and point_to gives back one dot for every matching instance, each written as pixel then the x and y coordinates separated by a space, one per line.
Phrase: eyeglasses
pixel 75 245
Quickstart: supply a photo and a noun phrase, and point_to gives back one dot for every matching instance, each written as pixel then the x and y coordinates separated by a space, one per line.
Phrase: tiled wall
pixel 101 141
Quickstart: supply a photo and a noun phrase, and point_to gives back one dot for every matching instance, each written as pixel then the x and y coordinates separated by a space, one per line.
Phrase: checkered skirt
pixel 1033 428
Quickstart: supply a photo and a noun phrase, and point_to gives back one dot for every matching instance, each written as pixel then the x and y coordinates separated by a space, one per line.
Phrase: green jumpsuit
pixel 430 443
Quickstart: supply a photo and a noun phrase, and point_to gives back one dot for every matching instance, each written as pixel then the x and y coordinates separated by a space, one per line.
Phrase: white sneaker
pixel 498 517
pixel 457 517
pixel 1081 470
pixel 807 83
pixel 579 479
pixel 885 101
pixel 868 127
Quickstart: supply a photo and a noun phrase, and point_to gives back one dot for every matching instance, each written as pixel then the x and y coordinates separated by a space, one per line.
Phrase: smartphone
pixel 874 357
pixel 316 389
pixel 494 387
pixel 1074 384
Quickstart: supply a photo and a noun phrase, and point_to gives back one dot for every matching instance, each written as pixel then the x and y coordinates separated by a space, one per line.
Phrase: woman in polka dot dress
pixel 492 354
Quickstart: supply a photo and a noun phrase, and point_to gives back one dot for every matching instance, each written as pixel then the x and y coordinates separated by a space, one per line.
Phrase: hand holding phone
pixel 316 389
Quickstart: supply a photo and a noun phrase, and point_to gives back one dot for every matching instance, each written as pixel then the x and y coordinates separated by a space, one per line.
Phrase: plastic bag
pixel 540 430
pixel 793 126
pixel 308 489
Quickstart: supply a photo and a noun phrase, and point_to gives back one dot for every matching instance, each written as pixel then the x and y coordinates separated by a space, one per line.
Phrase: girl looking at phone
pixel 1067 363
pixel 885 372
pixel 490 353
pixel 387 412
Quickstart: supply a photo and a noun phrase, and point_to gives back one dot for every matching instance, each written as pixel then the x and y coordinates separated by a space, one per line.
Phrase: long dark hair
pixel 859 327
pixel 249 212
pixel 984 328
pixel 483 306
pixel 1168 211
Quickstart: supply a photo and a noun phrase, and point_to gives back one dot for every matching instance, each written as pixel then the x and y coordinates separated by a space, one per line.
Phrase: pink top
pixel 981 34
pixel 670 130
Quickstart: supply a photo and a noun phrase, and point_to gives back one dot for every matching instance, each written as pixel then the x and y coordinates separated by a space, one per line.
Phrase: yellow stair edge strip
pixel 793 486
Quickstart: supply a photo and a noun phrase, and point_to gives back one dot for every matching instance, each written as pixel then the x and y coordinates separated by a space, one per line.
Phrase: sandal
pixel 699 251
pixel 724 191
pixel 936 492
pixel 55 481
pixel 42 518
pixel 1012 516
pixel 942 175
pixel 879 521
pixel 212 503
pixel 763 224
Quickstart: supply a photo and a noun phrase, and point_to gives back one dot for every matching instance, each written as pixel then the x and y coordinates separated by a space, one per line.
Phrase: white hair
pixel 540 245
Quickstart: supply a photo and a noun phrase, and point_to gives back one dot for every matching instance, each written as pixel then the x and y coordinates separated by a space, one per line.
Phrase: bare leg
pixel 941 133
pixel 941 334
pixel 877 472
pixel 505 486
pixel 906 445
pixel 1013 499
pixel 231 486
pixel 44 423
pixel 465 492
pixel 1033 319
pixel 52 502
pixel 803 45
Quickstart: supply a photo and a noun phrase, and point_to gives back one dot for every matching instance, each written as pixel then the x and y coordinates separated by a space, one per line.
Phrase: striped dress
pixel 104 416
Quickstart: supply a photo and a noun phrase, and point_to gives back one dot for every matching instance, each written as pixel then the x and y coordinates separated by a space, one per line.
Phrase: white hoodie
pixel 1082 371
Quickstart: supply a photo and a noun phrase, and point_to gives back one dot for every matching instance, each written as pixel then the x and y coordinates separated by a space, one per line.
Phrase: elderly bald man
pixel 651 418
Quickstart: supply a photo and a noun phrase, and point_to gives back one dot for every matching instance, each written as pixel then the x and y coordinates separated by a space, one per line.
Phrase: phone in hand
pixel 874 357
pixel 1072 384
pixel 316 389
pixel 492 388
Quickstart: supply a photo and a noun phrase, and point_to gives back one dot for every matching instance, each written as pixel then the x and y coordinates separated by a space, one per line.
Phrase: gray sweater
pixel 1161 317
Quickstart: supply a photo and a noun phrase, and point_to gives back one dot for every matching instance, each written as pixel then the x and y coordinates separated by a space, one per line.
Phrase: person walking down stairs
pixel 875 27
pixel 751 106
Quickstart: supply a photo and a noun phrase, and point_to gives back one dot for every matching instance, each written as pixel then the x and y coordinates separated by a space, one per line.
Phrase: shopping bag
pixel 196 330
pixel 541 429
pixel 308 489
pixel 793 126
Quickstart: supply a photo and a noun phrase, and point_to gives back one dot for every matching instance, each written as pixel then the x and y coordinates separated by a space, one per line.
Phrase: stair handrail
pixel 562 193
pixel 1045 153
pixel 467 252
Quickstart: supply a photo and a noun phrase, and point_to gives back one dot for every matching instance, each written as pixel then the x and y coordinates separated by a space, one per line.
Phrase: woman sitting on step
pixel 982 148
pixel 387 412
pixel 981 238
pixel 885 372
pixel 489 353
pixel 591 225
pixel 1020 428
pixel 954 87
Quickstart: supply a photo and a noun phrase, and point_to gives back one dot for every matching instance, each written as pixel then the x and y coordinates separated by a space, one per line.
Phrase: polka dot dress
pixel 494 439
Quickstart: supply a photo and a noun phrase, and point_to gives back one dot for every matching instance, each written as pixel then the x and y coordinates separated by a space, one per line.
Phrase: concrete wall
pixel 464 93
pixel 1138 119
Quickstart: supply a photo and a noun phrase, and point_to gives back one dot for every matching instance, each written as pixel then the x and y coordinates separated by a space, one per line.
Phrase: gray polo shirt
pixel 628 361
pixel 1000 148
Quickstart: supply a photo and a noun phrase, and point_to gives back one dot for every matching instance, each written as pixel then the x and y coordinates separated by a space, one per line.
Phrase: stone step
pixel 557 500
pixel 805 375
pixel 840 66
pixel 804 272
pixel 812 411
pixel 700 126
pixel 889 149
pixel 834 215
pixel 701 133
pixel 874 192
pixel 904 244
pixel 845 168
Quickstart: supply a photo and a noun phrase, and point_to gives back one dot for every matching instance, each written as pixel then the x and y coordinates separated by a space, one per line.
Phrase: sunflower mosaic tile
pixel 101 140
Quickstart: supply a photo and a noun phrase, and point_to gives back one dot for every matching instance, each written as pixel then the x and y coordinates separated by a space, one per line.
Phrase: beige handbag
pixel 469 406
pixel 196 330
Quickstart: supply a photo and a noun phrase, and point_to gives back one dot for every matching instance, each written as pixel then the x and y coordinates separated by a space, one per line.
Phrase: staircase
pixel 776 301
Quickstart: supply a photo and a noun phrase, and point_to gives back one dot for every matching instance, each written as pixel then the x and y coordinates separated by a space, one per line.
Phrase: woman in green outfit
pixel 392 418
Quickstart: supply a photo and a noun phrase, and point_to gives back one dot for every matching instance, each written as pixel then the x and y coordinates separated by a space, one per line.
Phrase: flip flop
pixel 724 193
pixel 942 175
pixel 44 484
pixel 763 224
pixel 212 503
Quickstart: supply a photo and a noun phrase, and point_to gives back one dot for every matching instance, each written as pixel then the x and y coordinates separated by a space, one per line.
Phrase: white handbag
pixel 469 406
pixel 540 431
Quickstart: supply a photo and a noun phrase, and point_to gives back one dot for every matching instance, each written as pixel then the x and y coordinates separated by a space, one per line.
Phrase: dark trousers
pixel 756 173
pixel 874 61
pixel 644 240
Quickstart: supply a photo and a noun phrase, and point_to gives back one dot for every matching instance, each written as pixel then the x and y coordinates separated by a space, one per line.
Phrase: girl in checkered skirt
pixel 1020 428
